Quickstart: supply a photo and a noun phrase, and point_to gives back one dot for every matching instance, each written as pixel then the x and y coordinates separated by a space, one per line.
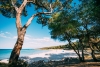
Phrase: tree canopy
pixel 66 20
pixel 79 21
pixel 17 8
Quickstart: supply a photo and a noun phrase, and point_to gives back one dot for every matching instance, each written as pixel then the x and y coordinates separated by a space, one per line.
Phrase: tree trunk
pixel 83 54
pixel 82 50
pixel 21 30
pixel 77 52
pixel 97 47
pixel 80 58
pixel 18 46
pixel 93 55
pixel 92 52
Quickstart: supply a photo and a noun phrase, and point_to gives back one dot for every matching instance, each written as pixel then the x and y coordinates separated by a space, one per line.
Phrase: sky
pixel 36 35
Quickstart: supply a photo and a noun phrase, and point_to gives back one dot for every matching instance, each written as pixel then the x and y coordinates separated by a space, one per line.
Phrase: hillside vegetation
pixel 56 47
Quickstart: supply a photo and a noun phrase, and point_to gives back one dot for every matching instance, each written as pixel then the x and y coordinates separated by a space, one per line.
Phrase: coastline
pixel 52 54
pixel 54 58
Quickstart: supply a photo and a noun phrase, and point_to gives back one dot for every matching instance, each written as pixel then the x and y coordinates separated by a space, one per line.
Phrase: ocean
pixel 5 53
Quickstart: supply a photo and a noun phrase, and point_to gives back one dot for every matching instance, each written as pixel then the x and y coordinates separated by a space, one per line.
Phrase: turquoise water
pixel 5 53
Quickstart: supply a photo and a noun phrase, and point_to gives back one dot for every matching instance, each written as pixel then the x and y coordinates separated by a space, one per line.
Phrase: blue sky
pixel 36 35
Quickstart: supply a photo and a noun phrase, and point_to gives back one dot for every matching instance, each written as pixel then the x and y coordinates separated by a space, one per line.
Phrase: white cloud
pixel 8 33
pixel 28 35
pixel 3 35
pixel 31 42
pixel 14 37
pixel 46 39
pixel 41 42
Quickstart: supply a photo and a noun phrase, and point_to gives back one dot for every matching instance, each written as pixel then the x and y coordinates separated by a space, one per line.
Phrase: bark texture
pixel 21 30
pixel 92 52
pixel 18 46
pixel 82 49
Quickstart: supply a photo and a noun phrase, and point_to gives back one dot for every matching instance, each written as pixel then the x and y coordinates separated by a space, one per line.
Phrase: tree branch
pixel 18 14
pixel 18 20
pixel 29 21
pixel 16 8
pixel 31 18
pixel 94 40
pixel 20 9
pixel 31 1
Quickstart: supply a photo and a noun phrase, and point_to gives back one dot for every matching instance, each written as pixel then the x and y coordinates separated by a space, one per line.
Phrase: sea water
pixel 5 53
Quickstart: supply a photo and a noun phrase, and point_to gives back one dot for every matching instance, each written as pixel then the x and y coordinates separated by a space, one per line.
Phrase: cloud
pixel 8 33
pixel 46 39
pixel 3 34
pixel 14 37
pixel 41 42
pixel 27 37
pixel 30 41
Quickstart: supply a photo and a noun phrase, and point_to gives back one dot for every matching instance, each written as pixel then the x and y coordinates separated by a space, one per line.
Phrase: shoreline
pixel 52 54
pixel 54 58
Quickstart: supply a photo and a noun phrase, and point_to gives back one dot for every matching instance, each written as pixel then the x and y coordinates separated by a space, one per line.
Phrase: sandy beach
pixel 53 55
pixel 55 58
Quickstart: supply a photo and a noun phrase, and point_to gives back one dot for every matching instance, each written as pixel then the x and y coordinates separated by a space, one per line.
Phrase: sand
pixel 4 61
pixel 56 58
pixel 53 55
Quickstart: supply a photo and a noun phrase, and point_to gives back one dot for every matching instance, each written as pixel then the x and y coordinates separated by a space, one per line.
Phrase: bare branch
pixel 94 40
pixel 22 6
pixel 51 8
pixel 18 15
pixel 32 17
pixel 18 21
pixel 30 20
pixel 31 1
pixel 16 8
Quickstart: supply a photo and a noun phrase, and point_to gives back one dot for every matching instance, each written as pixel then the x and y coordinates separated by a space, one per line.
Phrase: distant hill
pixel 57 47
